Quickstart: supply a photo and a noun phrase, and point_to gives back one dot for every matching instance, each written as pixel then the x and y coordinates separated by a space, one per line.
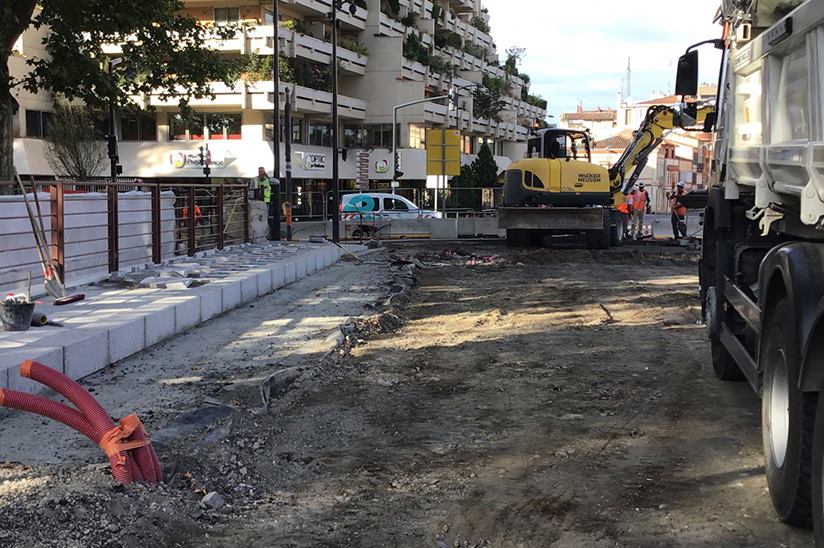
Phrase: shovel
pixel 52 283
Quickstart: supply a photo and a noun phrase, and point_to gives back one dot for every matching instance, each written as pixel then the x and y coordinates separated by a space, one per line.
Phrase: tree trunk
pixel 7 106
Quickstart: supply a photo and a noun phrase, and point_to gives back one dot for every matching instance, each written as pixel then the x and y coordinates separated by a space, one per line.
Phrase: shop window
pixel 320 133
pixel 223 126
pixel 417 136
pixel 227 16
pixel 138 127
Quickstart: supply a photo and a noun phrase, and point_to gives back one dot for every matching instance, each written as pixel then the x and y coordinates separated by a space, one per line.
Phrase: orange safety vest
pixel 638 200
pixel 679 210
pixel 623 208
pixel 186 213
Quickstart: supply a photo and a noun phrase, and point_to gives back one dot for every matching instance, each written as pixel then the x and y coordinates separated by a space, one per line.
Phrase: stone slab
pixel 85 351
pixel 264 281
pixel 278 276
pixel 300 267
pixel 231 294
pixel 126 338
pixel 160 323
pixel 248 289
pixel 187 313
pixel 11 360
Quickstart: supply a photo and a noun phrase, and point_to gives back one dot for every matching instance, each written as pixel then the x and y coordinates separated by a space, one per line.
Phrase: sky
pixel 577 50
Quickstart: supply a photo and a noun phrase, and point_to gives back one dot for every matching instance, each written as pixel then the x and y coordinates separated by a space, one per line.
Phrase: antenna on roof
pixel 629 76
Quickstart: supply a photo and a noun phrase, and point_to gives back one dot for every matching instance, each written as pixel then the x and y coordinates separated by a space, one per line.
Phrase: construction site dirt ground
pixel 556 398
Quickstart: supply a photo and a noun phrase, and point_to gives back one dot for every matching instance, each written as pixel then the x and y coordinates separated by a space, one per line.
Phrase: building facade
pixel 389 53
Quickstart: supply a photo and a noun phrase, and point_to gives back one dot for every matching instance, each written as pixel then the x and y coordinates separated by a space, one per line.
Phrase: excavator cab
pixel 557 171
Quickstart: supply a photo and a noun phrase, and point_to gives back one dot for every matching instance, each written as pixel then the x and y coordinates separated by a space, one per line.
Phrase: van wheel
pixel 818 475
pixel 363 229
pixel 787 416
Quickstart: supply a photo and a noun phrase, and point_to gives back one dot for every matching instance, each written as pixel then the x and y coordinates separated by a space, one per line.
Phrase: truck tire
pixel 616 232
pixel 517 237
pixel 787 416
pixel 599 239
pixel 818 475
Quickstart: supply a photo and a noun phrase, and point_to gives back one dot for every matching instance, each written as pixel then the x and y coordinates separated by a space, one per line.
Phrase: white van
pixel 371 206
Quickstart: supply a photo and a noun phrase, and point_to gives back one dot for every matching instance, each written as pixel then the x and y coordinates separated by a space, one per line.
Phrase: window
pixel 227 16
pixel 223 126
pixel 297 129
pixel 395 204
pixel 214 126
pixel 417 136
pixel 367 136
pixel 138 127
pixel 268 16
pixel 320 133
pixel 353 136
pixel 37 123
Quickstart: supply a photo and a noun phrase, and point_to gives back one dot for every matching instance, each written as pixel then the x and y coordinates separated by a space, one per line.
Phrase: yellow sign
pixel 443 152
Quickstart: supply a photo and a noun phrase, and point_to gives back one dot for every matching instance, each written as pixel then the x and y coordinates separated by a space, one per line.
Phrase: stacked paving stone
pixel 137 309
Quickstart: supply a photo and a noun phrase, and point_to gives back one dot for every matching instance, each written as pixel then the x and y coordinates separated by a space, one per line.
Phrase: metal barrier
pixel 100 227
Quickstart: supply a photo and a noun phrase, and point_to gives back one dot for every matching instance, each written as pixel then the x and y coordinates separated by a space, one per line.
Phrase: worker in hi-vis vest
pixel 261 188
pixel 638 205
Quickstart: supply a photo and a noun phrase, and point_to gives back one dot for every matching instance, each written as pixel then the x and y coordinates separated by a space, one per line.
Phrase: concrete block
pixel 187 313
pixel 289 272
pixel 126 338
pixel 10 361
pixel 312 262
pixel 443 229
pixel 160 323
pixel 248 289
pixel 211 301
pixel 4 378
pixel 84 351
pixel 231 294
pixel 278 276
pixel 264 281
pixel 400 228
pixel 300 267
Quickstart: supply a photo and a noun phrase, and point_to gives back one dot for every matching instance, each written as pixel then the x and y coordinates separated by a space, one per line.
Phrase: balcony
pixel 294 44
pixel 225 96
pixel 390 27
pixel 306 100
pixel 434 113
pixel 412 70
pixel 462 6
pixel 319 8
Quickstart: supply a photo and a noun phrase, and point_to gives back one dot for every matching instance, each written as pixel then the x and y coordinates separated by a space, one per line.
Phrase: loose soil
pixel 527 398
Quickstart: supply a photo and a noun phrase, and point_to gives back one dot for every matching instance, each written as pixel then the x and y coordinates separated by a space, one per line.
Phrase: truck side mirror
pixel 686 79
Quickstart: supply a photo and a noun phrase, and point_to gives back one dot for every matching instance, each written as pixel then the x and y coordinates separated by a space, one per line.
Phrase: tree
pixel 485 167
pixel 163 51
pixel 458 196
pixel 487 103
pixel 74 146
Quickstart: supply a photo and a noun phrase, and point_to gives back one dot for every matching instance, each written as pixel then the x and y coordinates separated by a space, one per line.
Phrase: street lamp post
pixel 333 17
pixel 395 173
pixel 113 157
pixel 274 210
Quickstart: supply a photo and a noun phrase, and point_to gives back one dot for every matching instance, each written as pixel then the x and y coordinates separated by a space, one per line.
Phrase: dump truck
pixel 557 190
pixel 762 266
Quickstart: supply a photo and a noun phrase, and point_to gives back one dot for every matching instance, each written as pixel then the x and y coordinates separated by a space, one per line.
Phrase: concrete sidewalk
pixel 135 310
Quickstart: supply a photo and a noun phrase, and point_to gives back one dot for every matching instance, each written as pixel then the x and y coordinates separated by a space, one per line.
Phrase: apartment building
pixel 389 52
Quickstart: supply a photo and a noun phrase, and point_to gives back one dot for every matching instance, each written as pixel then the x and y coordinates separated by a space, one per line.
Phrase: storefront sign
pixel 184 159
pixel 314 161
pixel 382 166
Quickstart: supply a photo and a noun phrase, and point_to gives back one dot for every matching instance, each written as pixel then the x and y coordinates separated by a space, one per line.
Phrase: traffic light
pixel 202 159
pixel 398 173
pixel 536 124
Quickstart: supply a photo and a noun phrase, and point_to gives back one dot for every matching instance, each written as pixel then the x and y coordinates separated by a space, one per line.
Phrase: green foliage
pixel 438 12
pixel 485 167
pixel 391 11
pixel 301 27
pixel 253 67
pixel 475 50
pixel 311 75
pixel 441 65
pixel 459 194
pixel 480 24
pixel 487 104
pixel 414 49
pixel 165 52
pixel 454 40
pixel 514 56
pixel 361 4
pixel 74 146
pixel 353 45
pixel 493 84
pixel 536 100
pixel 409 19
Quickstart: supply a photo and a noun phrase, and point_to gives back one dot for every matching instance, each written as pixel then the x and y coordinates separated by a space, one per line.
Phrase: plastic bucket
pixel 16 317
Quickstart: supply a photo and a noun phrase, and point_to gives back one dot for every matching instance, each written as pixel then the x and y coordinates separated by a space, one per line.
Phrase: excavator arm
pixel 658 122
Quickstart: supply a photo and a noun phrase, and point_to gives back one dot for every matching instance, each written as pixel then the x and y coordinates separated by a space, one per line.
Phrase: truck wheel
pixel 787 416
pixel 722 363
pixel 616 233
pixel 599 239
pixel 818 476
pixel 517 237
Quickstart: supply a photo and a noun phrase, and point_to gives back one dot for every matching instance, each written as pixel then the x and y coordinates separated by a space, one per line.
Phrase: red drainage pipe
pixel 93 421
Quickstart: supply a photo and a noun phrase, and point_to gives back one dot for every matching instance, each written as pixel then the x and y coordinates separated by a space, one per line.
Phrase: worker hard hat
pixel 680 183
pixel 640 185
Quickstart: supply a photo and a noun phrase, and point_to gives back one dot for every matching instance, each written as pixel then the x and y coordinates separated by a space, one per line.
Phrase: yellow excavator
pixel 556 189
